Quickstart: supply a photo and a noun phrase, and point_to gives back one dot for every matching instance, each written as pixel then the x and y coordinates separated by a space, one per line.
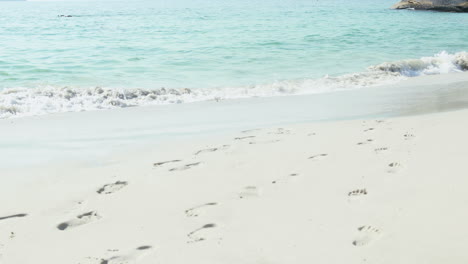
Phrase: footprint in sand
pixel 13 216
pixel 380 150
pixel 291 177
pixel 92 260
pixel 242 138
pixel 368 141
pixel 393 167
pixel 366 235
pixel 264 141
pixel 250 131
pixel 194 236
pixel 211 150
pixel 294 174
pixel 357 193
pixel 158 164
pixel 131 257
pixel 185 167
pixel 408 136
pixel 318 156
pixel 82 219
pixel 112 187
pixel 249 192
pixel 193 212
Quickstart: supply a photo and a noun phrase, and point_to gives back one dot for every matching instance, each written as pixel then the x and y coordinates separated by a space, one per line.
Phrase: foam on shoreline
pixel 19 102
pixel 89 135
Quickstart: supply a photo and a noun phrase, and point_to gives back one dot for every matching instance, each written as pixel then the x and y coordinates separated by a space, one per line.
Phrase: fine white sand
pixel 360 191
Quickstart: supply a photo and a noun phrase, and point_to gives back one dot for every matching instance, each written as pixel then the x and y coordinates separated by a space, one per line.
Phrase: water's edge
pixel 92 135
pixel 20 102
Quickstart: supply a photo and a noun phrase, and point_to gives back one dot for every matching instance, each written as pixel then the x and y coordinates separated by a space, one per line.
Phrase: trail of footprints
pixel 247 192
pixel 91 216
pixel 199 234
pixel 111 188
pixel 81 219
pixel 365 234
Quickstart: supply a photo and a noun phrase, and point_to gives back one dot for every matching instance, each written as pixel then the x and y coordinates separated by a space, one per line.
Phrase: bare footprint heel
pixel 80 220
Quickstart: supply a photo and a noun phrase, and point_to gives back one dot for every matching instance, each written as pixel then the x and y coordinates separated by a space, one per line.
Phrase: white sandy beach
pixel 233 132
pixel 373 190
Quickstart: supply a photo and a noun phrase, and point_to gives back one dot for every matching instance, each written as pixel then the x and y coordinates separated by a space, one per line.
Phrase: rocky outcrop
pixel 434 5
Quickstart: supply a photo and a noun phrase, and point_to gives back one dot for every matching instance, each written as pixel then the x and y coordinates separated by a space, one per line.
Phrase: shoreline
pixel 17 102
pixel 87 136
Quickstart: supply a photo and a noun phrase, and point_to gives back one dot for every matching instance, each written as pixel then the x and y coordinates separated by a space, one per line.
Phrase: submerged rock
pixel 434 5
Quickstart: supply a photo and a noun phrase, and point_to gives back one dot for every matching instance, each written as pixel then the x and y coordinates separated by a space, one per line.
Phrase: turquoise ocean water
pixel 121 53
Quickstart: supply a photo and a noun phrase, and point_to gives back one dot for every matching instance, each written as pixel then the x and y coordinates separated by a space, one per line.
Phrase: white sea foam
pixel 17 102
pixel 438 64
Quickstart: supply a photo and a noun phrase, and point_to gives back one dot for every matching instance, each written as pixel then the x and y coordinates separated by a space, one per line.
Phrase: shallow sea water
pixel 217 49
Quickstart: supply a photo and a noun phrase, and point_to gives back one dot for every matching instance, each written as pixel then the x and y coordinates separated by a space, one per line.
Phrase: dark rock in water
pixel 434 5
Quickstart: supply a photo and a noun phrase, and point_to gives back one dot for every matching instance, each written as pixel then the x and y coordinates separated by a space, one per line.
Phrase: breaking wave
pixel 17 102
